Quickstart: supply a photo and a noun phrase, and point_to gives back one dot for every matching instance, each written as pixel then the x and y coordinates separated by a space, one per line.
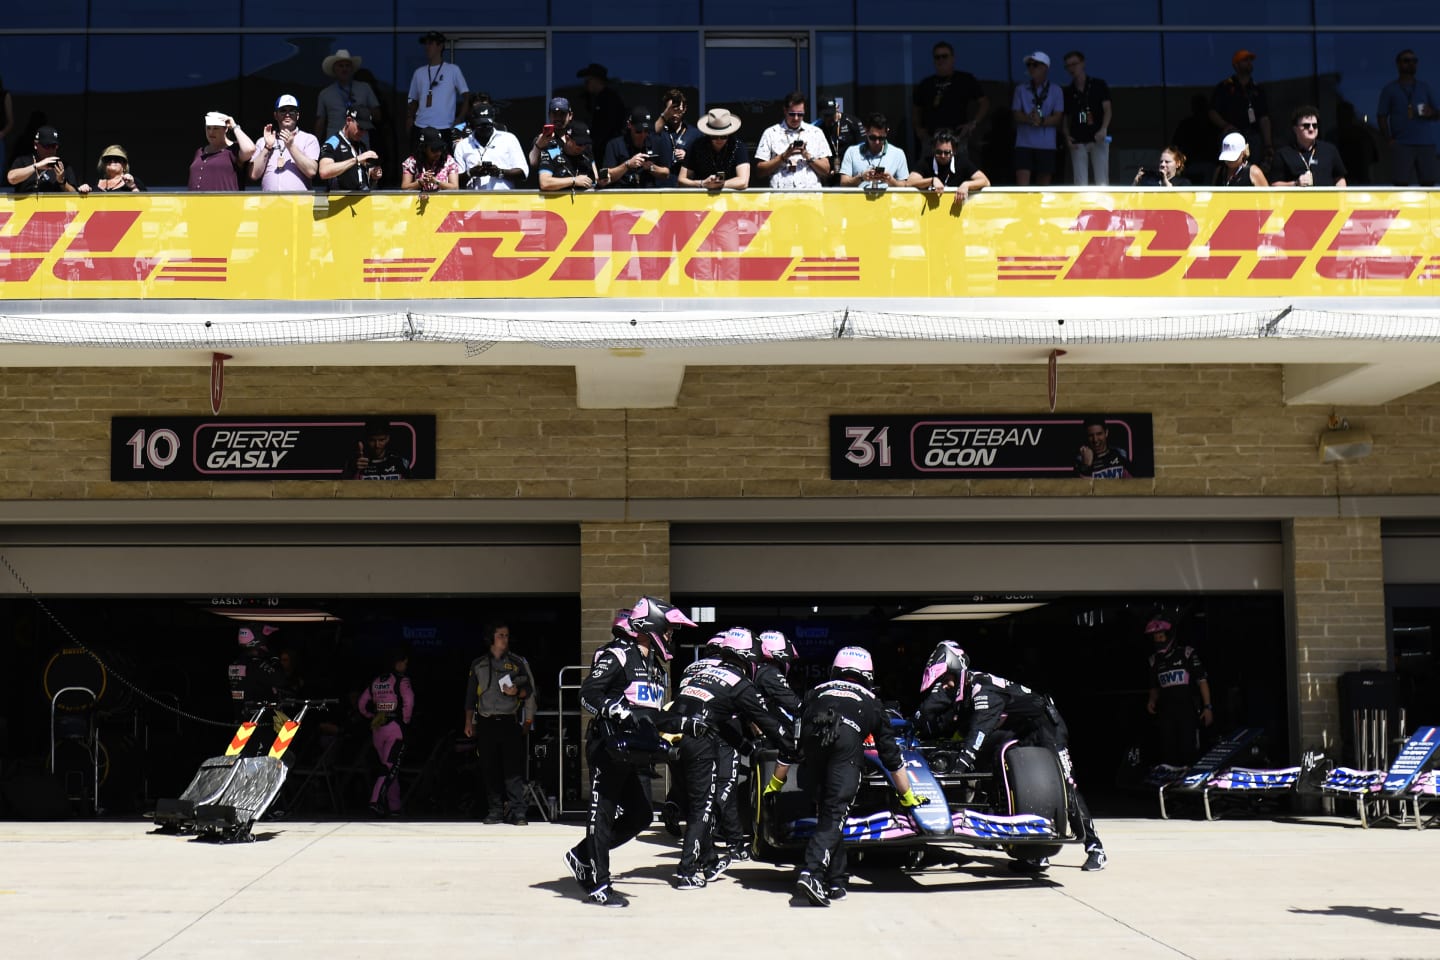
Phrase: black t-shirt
pixel 1323 161
pixel 607 115
pixel 1234 101
pixel 95 185
pixel 1085 110
pixel 945 102
pixel 340 150
pixel 702 160
pixel 622 148
pixel 1151 178
pixel 43 181
pixel 564 165
pixel 954 172
pixel 841 136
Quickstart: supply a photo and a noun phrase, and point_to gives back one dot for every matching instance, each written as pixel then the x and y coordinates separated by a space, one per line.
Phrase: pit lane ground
pixel 395 889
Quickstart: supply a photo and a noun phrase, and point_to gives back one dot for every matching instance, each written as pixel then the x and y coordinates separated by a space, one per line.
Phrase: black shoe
pixel 739 853
pixel 608 896
pixel 689 881
pixel 517 821
pixel 812 889
pixel 494 818
pixel 716 869
pixel 378 810
pixel 837 892
pixel 581 870
pixel 670 816
pixel 1096 860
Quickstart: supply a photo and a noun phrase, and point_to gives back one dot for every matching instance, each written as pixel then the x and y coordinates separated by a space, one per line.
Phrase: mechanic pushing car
pixel 957 698
pixel 835 719
pixel 716 690
pixel 623 692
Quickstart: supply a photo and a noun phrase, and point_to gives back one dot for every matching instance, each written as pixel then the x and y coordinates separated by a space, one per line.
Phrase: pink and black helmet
pixel 854 663
pixel 946 659
pixel 654 618
pixel 777 647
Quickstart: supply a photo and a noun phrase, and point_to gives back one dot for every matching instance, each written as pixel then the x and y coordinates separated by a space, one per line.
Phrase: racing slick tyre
pixel 1037 786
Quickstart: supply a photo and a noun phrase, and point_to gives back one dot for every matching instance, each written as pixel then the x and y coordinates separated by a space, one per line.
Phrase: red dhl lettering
pixel 1165 238
pixel 24 251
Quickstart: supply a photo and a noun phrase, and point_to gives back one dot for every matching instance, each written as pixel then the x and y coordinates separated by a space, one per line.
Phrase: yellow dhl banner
pixel 688 245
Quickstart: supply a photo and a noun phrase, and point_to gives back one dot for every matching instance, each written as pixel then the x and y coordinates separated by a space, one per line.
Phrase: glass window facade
pixel 105 82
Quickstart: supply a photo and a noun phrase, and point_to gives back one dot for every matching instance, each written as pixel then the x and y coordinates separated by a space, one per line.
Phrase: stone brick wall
pixel 619 563
pixel 1336 619
pixel 508 432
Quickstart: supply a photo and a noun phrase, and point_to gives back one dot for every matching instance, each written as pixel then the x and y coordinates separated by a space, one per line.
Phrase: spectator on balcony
pixel 945 168
pixel 674 131
pixel 841 132
pixel 547 141
pixel 1087 123
pixel 573 168
pixel 607 110
pixel 435 89
pixel 1167 172
pixel 430 168
pixel 490 158
pixel 717 160
pixel 286 157
pixel 948 98
pixel 112 173
pixel 1039 108
pixel 7 119
pixel 227 151
pixel 794 154
pixel 639 160
pixel 1407 116
pixel 1238 104
pixel 346 92
pixel 43 171
pixel 346 160
pixel 1236 170
pixel 1311 162
pixel 877 163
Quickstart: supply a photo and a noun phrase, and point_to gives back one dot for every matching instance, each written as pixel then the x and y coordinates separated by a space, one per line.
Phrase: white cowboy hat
pixel 327 66
pixel 718 122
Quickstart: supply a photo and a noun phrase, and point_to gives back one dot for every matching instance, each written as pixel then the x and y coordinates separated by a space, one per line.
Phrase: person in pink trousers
pixel 389 704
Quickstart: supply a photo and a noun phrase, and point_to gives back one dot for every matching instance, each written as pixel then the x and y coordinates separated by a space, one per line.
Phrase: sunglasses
pixel 875 139
pixel 944 153
pixel 113 160
pixel 1308 126
pixel 799 115
pixel 288 112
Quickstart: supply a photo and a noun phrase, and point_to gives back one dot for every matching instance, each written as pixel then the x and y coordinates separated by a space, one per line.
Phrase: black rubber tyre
pixel 1037 786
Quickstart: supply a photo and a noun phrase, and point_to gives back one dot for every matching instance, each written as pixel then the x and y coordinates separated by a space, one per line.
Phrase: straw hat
pixel 327 66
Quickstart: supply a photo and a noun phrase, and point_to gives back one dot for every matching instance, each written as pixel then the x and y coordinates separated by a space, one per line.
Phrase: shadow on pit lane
pixel 976 874
pixel 1391 915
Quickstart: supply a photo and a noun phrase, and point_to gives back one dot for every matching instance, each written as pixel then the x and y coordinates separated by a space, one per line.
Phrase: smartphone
pixel 549 129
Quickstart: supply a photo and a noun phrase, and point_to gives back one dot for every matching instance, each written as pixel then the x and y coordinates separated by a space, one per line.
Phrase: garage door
pixel 976 557
pixel 271 559
pixel 1411 549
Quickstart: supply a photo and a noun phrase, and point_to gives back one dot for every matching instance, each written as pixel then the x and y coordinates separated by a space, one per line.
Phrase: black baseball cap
pixel 482 113
pixel 435 35
pixel 362 117
pixel 47 137
pixel 641 118
pixel 431 137
pixel 593 70
pixel 580 133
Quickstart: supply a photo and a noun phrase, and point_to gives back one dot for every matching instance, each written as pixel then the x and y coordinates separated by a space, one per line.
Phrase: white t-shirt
pixel 437 89
pixel 503 150
pixel 794 173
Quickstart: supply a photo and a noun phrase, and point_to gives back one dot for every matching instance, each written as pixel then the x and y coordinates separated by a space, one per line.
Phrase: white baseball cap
pixel 286 100
pixel 1233 146
pixel 1039 56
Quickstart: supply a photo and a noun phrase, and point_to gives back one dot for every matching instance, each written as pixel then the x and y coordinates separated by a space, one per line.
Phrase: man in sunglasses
pixel 1311 162
pixel 286 158
pixel 877 163
pixel 793 154
pixel 949 99
pixel 1407 117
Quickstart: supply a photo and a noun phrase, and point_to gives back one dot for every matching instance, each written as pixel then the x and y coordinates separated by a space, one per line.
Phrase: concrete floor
pixel 402 889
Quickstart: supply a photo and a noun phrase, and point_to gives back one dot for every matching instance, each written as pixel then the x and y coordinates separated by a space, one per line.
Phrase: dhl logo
pixel 506 246
pixel 84 258
pixel 1254 244
pixel 283 738
pixel 242 737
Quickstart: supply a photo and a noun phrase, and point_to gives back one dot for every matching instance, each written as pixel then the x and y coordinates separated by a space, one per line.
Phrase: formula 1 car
pixel 1020 805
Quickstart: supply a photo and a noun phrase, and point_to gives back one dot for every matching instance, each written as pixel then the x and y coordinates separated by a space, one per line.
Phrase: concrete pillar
pixel 1335 619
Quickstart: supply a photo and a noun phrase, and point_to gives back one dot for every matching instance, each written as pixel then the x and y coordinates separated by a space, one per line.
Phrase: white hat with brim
pixel 1233 146
pixel 1038 57
pixel 718 122
pixel 327 66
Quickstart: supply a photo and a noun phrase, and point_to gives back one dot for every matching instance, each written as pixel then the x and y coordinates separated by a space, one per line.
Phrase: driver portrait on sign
pixel 373 459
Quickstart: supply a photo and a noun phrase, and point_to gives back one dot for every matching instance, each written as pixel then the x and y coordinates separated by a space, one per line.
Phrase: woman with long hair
pixel 1236 170
pixel 430 167
pixel 112 173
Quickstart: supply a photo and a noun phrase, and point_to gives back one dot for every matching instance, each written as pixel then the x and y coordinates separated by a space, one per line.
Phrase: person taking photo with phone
pixel 637 159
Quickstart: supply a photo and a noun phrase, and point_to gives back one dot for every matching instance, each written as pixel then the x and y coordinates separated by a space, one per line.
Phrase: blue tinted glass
pixel 33 68
pixel 64 13
pixel 275 65
pixel 287 13
pixel 1271 13
pixel 891 64
pixel 189 75
pixel 1284 62
pixel 835 64
pixel 952 18
pixel 654 13
pixel 514 77
pixel 641 69
pixel 1360 65
pixel 164 14
pixel 420 17
pixel 1120 59
pixel 1096 12
pixel 1397 13
pixel 768 13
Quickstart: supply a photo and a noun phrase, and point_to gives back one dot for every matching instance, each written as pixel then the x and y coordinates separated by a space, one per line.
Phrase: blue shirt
pixel 1052 100
pixel 1396 102
pixel 891 159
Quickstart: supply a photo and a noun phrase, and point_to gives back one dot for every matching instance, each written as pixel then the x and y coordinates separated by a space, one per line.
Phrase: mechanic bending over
pixel 977 704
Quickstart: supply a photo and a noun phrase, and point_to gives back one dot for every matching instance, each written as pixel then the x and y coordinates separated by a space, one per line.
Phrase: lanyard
pixel 436 76
pixel 1039 97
